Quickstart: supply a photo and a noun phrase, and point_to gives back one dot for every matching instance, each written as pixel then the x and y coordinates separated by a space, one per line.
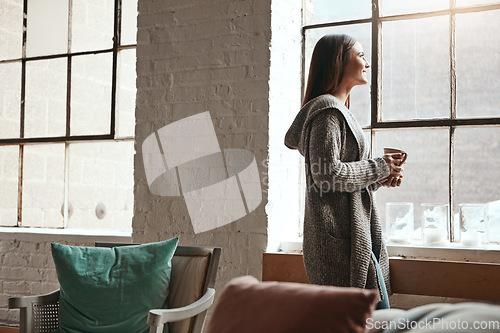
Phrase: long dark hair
pixel 327 65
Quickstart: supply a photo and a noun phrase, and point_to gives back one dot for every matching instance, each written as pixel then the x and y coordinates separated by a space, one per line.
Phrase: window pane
pixel 91 94
pixel 125 94
pixel 320 11
pixel 9 173
pixel 426 175
pixel 11 29
pixel 43 185
pixel 478 64
pixel 396 7
pixel 360 95
pixel 129 22
pixel 101 179
pixel 92 25
pixel 476 174
pixel 10 99
pixel 47 34
pixel 45 108
pixel 416 69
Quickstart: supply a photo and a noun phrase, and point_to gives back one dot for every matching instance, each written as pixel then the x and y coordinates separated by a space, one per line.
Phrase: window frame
pixel 376 122
pixel 21 141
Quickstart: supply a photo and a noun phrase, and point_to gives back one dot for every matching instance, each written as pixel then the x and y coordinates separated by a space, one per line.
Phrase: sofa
pixel 247 305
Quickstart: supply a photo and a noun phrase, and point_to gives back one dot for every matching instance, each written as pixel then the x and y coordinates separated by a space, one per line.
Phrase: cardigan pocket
pixel 337 230
pixel 335 220
pixel 339 242
pixel 338 260
pixel 341 246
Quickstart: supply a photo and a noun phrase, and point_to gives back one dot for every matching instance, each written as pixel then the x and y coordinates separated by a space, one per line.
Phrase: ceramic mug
pixel 388 150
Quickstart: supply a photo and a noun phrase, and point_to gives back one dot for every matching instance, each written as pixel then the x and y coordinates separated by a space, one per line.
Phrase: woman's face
pixel 356 67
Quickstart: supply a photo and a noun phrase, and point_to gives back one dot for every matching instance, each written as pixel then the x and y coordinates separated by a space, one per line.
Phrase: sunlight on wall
pixel 284 201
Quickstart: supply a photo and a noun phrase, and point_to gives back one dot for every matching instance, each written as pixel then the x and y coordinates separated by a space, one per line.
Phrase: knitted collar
pixel 298 133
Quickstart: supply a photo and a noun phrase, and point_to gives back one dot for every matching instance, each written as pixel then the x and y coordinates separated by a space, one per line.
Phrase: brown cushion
pixel 247 305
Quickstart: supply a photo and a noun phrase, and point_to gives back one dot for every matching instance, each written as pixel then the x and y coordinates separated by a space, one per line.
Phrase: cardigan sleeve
pixel 375 186
pixel 328 172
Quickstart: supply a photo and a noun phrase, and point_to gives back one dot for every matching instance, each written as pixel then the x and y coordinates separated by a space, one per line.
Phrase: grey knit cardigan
pixel 341 223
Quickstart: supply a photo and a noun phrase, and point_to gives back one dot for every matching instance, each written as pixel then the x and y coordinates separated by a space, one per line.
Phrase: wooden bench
pixel 477 281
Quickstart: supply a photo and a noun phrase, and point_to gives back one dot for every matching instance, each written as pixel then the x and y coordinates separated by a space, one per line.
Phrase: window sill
pixel 453 252
pixel 49 234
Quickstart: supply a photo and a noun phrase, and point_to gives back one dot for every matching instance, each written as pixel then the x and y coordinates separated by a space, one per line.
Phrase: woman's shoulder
pixel 330 116
pixel 322 102
pixel 325 101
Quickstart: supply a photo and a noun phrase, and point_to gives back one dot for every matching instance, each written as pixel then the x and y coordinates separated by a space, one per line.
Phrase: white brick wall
pixel 196 56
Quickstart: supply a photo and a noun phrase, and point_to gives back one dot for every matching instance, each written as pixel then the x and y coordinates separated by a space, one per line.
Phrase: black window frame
pixel 376 122
pixel 21 141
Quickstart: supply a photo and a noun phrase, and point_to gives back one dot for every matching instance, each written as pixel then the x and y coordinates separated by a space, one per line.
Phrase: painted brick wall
pixel 195 56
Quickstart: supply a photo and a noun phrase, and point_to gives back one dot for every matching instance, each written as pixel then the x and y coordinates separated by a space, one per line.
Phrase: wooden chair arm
pixel 158 317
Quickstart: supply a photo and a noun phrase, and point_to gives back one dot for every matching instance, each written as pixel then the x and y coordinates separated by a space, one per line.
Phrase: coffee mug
pixel 388 150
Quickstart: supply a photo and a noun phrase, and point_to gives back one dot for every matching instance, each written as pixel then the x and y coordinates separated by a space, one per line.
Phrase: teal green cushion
pixel 106 290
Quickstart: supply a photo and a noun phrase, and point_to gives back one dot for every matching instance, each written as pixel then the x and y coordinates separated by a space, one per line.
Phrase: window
pixel 67 103
pixel 434 93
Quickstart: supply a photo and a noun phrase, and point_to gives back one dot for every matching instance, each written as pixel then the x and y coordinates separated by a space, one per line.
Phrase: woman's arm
pixel 375 186
pixel 329 173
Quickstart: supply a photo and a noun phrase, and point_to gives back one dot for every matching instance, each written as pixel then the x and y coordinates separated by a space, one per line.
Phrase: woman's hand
pixel 391 182
pixel 394 162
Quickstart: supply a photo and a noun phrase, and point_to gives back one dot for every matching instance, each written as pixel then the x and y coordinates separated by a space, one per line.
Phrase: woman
pixel 343 243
